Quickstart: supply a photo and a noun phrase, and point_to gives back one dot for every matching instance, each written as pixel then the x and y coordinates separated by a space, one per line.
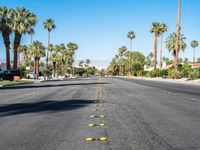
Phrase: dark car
pixel 9 74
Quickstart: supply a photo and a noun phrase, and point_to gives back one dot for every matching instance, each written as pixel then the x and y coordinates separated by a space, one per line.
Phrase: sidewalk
pixel 181 81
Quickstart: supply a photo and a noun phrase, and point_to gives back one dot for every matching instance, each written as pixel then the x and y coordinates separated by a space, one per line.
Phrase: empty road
pixel 138 115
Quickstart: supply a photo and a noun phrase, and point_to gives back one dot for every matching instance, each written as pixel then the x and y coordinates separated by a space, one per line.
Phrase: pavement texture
pixel 138 115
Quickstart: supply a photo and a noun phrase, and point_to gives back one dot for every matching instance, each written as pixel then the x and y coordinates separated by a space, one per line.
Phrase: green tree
pixel 72 47
pixel 156 29
pixel 122 50
pixel 198 60
pixel 87 62
pixel 131 36
pixel 5 28
pixel 171 44
pixel 54 58
pixel 23 21
pixel 63 56
pixel 138 62
pixel 24 49
pixel 194 44
pixel 49 25
pixel 37 50
pixel 81 63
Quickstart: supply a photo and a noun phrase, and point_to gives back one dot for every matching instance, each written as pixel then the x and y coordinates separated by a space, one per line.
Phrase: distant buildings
pixel 197 65
pixel 2 66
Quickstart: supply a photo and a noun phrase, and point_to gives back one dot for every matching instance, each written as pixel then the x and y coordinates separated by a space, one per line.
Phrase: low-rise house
pixel 197 65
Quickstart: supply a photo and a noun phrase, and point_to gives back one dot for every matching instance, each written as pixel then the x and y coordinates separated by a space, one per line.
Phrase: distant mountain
pixel 2 60
pixel 99 64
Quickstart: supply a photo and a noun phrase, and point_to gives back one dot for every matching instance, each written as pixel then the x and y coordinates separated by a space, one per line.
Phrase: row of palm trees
pixel 59 55
pixel 21 21
pixel 175 43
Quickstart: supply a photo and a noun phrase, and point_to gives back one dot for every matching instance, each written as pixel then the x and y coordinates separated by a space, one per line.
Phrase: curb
pixel 2 86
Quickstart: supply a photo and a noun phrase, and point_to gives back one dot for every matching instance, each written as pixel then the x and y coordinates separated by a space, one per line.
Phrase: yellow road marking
pixel 103 139
pixel 90 139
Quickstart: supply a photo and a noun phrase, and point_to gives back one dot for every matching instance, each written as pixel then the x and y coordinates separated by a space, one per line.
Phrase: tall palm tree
pixel 114 65
pixel 23 49
pixel 37 50
pixel 122 50
pixel 164 29
pixel 72 47
pixel 5 28
pixel 171 44
pixel 156 29
pixel 23 21
pixel 131 36
pixel 194 44
pixel 87 61
pixel 49 25
pixel 178 34
pixel 81 63
pixel 54 58
pixel 62 56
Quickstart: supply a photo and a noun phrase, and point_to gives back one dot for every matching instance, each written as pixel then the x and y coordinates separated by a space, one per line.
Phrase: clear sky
pixel 100 27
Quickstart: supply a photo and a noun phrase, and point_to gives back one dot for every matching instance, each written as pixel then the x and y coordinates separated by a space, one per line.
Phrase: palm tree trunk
pixel 194 55
pixel 120 67
pixel 155 50
pixel 6 39
pixel 178 33
pixel 63 68
pixel 37 65
pixel 130 58
pixel 54 67
pixel 17 41
pixel 47 59
pixel 161 45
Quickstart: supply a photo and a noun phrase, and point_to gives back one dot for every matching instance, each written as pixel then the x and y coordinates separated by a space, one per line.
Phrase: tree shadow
pixel 47 85
pixel 42 106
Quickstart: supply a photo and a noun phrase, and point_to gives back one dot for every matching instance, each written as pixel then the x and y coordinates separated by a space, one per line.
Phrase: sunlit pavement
pixel 100 114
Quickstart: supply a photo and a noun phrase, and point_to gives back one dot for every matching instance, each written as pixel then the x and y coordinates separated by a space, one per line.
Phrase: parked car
pixel 9 74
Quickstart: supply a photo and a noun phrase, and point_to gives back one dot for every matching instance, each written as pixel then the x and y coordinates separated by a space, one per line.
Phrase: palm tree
pixel 31 32
pixel 171 44
pixel 114 65
pixel 5 28
pixel 37 50
pixel 81 63
pixel 156 29
pixel 131 36
pixel 194 44
pixel 178 35
pixel 164 29
pixel 62 56
pixel 23 49
pixel 54 57
pixel 87 61
pixel 49 25
pixel 122 50
pixel 23 21
pixel 72 47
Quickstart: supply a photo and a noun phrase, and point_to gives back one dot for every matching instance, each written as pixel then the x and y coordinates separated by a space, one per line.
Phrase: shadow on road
pixel 43 85
pixel 41 107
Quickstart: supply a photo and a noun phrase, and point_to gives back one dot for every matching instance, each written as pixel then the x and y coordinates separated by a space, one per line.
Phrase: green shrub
pixel 194 74
pixel 174 74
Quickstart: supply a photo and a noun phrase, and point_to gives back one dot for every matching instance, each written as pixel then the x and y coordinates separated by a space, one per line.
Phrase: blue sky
pixel 100 27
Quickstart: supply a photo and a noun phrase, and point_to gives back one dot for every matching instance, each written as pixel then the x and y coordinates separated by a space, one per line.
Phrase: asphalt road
pixel 139 115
